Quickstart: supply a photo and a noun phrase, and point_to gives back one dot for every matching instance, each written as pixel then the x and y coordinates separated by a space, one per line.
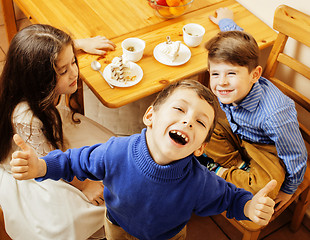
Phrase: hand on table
pixel 98 45
pixel 220 14
pixel 261 207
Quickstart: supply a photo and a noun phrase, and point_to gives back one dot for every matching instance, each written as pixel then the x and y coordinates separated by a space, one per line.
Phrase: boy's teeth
pixel 180 136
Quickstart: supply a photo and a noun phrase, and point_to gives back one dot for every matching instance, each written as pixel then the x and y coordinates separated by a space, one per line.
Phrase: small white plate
pixel 184 55
pixel 135 70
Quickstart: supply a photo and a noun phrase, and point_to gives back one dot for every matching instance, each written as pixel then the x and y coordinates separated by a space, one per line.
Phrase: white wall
pixel 264 9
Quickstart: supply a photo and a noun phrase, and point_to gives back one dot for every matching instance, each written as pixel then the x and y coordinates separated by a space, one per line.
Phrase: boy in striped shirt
pixel 260 138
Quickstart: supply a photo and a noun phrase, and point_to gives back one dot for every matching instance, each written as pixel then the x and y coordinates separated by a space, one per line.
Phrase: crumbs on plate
pixel 120 70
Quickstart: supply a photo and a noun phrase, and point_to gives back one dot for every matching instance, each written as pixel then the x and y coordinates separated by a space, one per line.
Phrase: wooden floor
pixel 218 228
pixel 211 228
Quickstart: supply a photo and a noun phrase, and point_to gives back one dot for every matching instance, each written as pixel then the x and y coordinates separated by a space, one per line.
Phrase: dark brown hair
pixel 29 75
pixel 202 91
pixel 235 47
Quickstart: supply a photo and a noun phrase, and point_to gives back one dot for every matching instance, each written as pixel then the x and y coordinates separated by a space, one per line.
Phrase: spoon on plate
pixel 95 65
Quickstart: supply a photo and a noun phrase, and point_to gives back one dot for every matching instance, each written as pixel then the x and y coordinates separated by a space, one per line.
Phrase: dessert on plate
pixel 170 49
pixel 121 71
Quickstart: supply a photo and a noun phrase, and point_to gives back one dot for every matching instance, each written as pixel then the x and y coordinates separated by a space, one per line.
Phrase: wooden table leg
pixel 9 18
pixel 204 78
pixel 80 97
pixel 77 100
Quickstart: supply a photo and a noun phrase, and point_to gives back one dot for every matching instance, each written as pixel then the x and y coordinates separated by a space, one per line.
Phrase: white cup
pixel 193 34
pixel 133 49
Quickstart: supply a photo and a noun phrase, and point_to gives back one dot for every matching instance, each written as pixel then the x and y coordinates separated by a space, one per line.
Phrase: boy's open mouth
pixel 178 137
pixel 224 92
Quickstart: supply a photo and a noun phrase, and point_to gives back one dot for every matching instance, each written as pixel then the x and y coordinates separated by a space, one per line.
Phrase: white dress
pixel 50 209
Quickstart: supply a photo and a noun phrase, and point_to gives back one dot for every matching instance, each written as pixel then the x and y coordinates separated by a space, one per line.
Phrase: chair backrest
pixel 290 23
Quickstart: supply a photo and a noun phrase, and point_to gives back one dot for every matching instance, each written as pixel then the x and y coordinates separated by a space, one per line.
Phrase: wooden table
pixel 120 19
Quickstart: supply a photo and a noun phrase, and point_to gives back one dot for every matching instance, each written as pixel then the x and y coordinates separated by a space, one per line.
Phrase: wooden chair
pixel 294 24
pixel 3 234
pixel 9 18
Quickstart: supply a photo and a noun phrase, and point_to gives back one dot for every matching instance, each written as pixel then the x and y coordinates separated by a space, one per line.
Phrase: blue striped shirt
pixel 227 24
pixel 268 116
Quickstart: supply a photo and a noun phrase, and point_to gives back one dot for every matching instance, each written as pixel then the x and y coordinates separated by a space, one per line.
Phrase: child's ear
pixel 256 73
pixel 198 152
pixel 148 116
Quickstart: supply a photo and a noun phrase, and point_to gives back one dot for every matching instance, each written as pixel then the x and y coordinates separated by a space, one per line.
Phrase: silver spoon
pixel 95 65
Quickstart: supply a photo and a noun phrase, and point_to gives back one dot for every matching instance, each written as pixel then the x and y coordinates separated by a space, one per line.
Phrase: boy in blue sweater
pixel 260 138
pixel 153 182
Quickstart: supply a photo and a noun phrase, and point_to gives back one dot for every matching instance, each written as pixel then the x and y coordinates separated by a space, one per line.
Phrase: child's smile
pixel 224 93
pixel 231 83
pixel 178 137
pixel 178 127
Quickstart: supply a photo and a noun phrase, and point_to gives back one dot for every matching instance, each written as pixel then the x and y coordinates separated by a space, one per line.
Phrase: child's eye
pixel 200 122
pixel 63 73
pixel 179 109
pixel 231 73
pixel 214 74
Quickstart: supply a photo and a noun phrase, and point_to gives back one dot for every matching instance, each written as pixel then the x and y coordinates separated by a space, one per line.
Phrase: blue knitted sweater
pixel 148 200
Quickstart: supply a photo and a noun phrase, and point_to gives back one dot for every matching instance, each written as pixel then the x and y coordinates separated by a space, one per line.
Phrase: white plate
pixel 184 55
pixel 135 70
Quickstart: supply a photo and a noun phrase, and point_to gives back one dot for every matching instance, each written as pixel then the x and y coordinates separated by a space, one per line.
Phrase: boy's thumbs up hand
pixel 261 207
pixel 25 164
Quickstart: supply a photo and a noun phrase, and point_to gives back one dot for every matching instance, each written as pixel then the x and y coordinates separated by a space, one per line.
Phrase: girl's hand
pixel 97 45
pixel 220 14
pixel 25 164
pixel 93 190
pixel 261 207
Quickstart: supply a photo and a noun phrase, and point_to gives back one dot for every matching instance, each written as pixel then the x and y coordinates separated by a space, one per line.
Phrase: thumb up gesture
pixel 261 207
pixel 25 163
